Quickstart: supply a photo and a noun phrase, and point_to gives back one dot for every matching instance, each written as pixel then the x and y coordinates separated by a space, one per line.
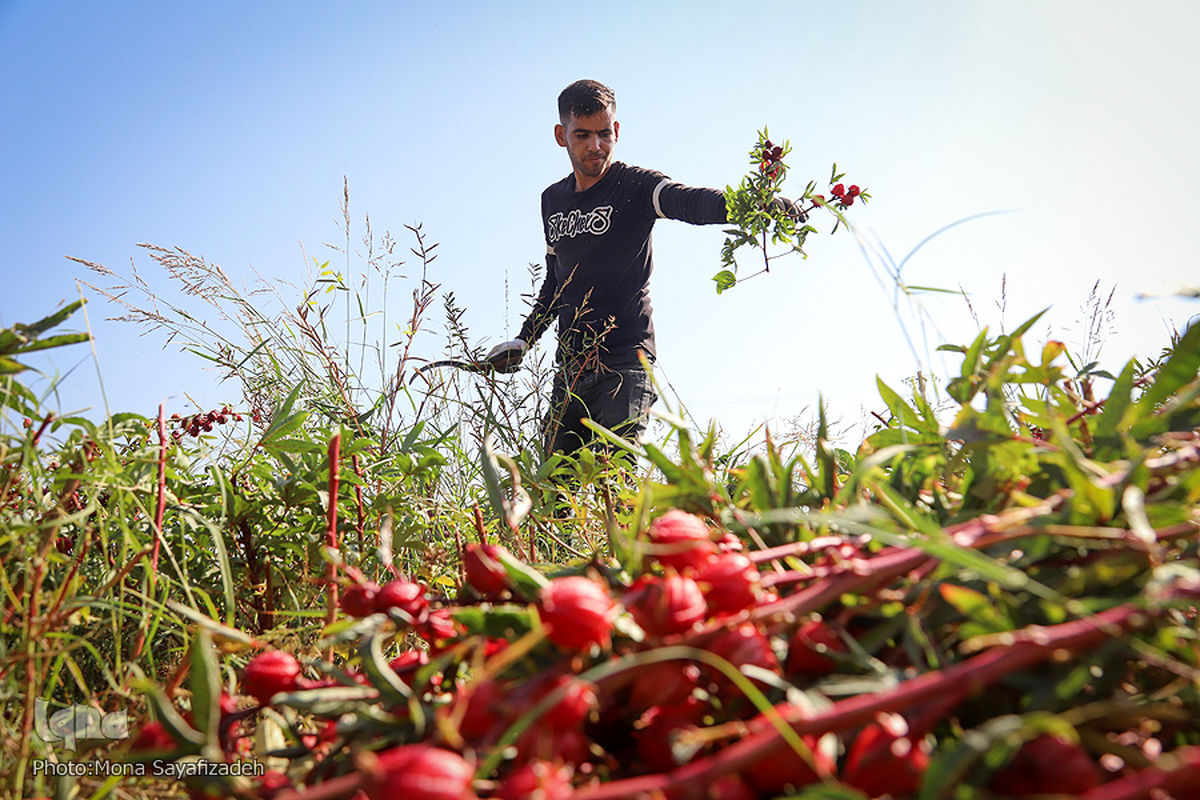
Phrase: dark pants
pixel 617 398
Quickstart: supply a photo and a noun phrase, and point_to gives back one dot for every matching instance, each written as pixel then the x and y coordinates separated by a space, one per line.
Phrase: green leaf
pixel 1179 370
pixel 491 479
pixel 380 672
pixel 906 416
pixel 10 367
pixel 190 740
pixel 205 683
pixel 725 280
pixel 952 765
pixel 61 340
pixel 525 579
pixel 975 606
pixel 46 323
pixel 1119 401
pixel 508 622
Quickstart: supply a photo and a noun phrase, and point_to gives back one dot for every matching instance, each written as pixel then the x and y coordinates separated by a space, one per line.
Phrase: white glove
pixel 506 357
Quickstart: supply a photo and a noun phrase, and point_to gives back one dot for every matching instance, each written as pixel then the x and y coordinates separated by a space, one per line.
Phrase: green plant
pixel 760 219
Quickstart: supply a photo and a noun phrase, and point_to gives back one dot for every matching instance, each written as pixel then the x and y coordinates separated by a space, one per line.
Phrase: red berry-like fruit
pixel 421 772
pixel 485 572
pixel 407 663
pixel 681 540
pixel 485 708
pixel 774 775
pixel 564 746
pixel 883 761
pixel 663 606
pixel 577 612
pixel 537 780
pixel 577 702
pixel 407 596
pixel 359 600
pixel 838 191
pixel 658 728
pixel 853 191
pixel 270 673
pixel 437 625
pixel 1047 765
pixel 731 787
pixel 741 646
pixel 808 648
pixel 152 736
pixel 272 783
pixel 730 582
pixel 663 684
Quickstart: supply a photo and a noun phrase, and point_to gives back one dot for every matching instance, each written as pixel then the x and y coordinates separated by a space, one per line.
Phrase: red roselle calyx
pixel 407 663
pixel 885 760
pixel 406 596
pixel 359 600
pixel 272 783
pixel 662 684
pixel 577 612
pixel 681 540
pixel 1047 765
pixel 744 645
pixel 486 707
pixel 663 606
pixel 788 768
pixel 808 648
pixel 730 582
pixel 658 729
pixel 579 699
pixel 420 772
pixel 270 673
pixel 152 736
pixel 437 625
pixel 484 568
pixel 537 780
pixel 564 745
pixel 731 787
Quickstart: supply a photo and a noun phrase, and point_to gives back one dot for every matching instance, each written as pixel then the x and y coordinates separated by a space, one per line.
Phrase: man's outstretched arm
pixel 704 206
pixel 688 203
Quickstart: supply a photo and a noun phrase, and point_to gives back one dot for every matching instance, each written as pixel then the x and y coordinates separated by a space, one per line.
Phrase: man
pixel 598 223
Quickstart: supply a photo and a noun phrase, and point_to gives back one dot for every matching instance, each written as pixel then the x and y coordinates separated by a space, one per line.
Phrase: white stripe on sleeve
pixel 658 191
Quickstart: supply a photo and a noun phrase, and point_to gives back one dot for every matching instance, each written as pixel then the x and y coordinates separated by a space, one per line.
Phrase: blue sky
pixel 227 128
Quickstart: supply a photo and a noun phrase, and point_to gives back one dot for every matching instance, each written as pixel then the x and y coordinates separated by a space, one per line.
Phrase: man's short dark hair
pixel 585 97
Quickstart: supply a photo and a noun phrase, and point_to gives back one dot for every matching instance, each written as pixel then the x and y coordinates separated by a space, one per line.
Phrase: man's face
pixel 589 141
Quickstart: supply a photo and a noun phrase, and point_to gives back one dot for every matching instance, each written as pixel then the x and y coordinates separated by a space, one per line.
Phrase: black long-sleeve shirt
pixel 599 259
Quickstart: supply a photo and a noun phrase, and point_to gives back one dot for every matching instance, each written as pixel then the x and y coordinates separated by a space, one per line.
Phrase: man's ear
pixel 560 135
pixel 616 130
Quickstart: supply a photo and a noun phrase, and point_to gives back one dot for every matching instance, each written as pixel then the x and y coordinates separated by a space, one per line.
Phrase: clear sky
pixel 226 128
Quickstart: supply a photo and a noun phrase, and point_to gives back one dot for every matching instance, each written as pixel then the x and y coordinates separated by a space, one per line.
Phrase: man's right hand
pixel 506 357
pixel 791 208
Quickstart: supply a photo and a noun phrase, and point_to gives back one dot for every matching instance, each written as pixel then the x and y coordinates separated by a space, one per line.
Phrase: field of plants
pixel 351 584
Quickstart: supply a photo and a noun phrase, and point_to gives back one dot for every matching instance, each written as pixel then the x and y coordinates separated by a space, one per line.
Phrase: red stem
pixel 1144 784
pixel 331 538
